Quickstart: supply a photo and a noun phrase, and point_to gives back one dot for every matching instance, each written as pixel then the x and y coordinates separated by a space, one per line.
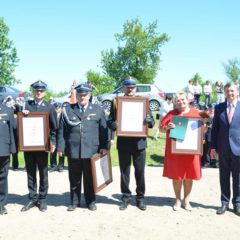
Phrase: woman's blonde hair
pixel 180 93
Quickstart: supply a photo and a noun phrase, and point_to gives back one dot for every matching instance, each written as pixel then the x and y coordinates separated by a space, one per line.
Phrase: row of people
pixel 195 90
pixel 83 131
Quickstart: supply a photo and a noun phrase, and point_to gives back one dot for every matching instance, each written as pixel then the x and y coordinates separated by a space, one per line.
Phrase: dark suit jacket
pixel 82 136
pixel 128 143
pixel 7 141
pixel 226 136
pixel 45 107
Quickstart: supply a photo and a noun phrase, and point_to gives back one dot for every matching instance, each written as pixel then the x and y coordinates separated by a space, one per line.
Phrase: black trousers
pixel 125 158
pixel 229 164
pixel 4 166
pixel 37 161
pixel 77 168
pixel 15 160
pixel 205 157
pixel 53 160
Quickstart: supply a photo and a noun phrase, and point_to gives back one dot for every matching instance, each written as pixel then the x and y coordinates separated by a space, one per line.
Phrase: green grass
pixel 155 150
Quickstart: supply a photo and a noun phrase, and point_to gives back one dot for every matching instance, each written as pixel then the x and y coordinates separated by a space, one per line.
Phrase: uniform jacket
pixel 226 136
pixel 7 141
pixel 81 135
pixel 128 143
pixel 45 107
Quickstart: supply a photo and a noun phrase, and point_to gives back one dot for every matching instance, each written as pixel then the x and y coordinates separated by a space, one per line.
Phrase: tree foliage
pixel 8 57
pixel 232 69
pixel 138 53
pixel 102 83
pixel 198 78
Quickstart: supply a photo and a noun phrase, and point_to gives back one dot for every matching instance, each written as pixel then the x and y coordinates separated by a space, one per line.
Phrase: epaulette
pixel 65 104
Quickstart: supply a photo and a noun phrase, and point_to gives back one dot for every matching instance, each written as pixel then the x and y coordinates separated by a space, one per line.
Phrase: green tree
pixel 198 78
pixel 8 57
pixel 232 69
pixel 102 83
pixel 138 53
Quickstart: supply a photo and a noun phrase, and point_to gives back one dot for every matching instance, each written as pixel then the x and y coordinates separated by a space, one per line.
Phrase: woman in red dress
pixel 181 168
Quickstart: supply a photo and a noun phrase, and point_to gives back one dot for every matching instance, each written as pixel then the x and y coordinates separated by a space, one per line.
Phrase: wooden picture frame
pixel 101 171
pixel 131 112
pixel 33 131
pixel 193 141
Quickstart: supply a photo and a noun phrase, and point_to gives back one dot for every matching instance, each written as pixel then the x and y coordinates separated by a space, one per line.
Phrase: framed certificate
pixel 193 141
pixel 33 131
pixel 131 112
pixel 101 171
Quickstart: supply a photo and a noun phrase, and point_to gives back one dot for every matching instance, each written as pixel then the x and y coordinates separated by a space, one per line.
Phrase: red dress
pixel 180 166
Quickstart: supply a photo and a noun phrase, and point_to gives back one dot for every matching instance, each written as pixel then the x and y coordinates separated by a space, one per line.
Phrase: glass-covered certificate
pixel 101 171
pixel 33 131
pixel 131 112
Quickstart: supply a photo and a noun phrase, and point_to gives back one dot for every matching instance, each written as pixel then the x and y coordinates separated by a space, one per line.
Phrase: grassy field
pixel 155 150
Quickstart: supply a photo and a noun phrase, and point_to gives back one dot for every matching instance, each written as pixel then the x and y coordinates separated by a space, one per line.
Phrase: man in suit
pixel 7 146
pixel 225 141
pixel 131 148
pixel 53 156
pixel 82 133
pixel 39 159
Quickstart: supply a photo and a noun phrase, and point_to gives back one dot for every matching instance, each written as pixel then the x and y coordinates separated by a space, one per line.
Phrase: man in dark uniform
pixel 82 133
pixel 39 160
pixel 53 157
pixel 7 146
pixel 131 148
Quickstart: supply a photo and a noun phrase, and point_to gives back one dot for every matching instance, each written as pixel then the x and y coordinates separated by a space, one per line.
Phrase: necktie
pixel 230 113
pixel 82 110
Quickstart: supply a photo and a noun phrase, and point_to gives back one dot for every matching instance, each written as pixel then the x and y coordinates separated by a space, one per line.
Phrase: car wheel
pixel 154 105
pixel 107 105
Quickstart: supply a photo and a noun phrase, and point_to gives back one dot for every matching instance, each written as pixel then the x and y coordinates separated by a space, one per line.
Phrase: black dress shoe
pixel 53 169
pixel 222 209
pixel 29 205
pixel 92 206
pixel 236 210
pixel 206 165
pixel 3 210
pixel 42 205
pixel 141 205
pixel 124 205
pixel 60 168
pixel 71 207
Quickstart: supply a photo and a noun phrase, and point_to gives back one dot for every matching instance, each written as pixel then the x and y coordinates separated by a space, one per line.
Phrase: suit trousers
pixel 53 160
pixel 125 158
pixel 77 168
pixel 229 164
pixel 15 163
pixel 4 166
pixel 37 161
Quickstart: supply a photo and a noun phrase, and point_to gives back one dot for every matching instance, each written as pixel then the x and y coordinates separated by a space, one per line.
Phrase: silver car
pixel 156 97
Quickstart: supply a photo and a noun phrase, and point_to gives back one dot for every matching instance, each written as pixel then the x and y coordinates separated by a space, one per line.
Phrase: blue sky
pixel 60 40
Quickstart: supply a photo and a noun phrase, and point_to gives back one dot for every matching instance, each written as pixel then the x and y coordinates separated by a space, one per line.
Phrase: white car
pixel 66 98
pixel 156 97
